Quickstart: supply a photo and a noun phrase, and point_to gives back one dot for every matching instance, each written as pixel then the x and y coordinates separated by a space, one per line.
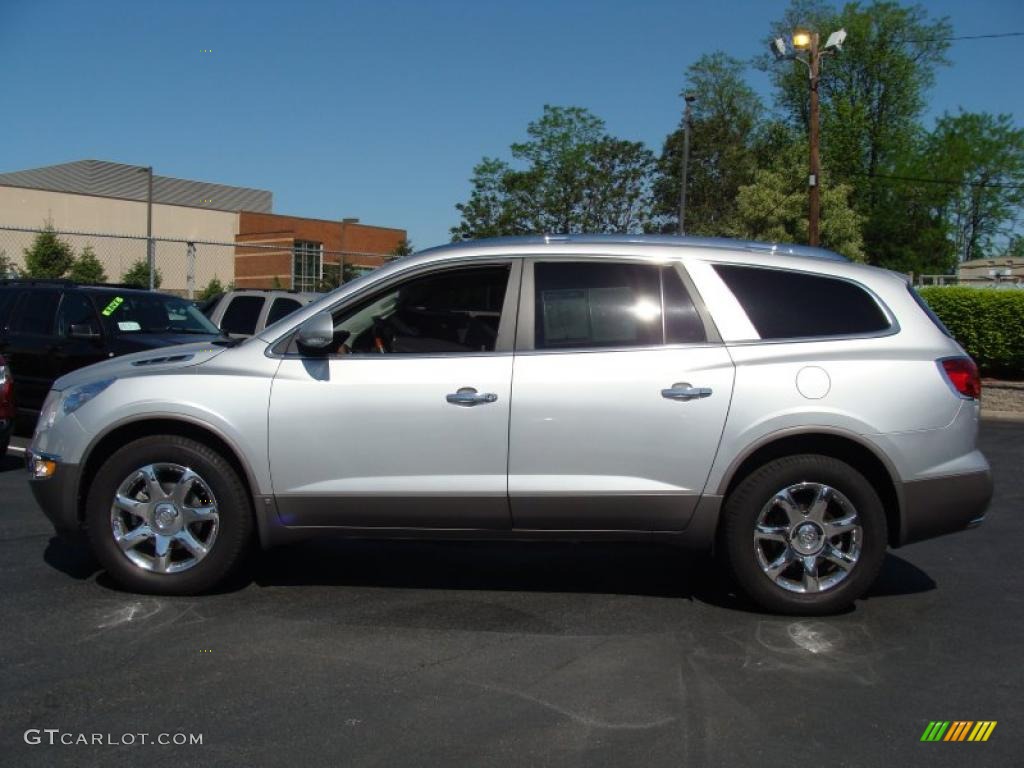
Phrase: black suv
pixel 51 327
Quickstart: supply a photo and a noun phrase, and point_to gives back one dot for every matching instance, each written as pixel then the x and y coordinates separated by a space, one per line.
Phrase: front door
pixel 405 422
pixel 620 395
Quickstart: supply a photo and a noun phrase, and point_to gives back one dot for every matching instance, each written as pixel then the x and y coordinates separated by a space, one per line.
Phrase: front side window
pixel 581 305
pixel 454 311
pixel 782 304
pixel 307 265
pixel 76 316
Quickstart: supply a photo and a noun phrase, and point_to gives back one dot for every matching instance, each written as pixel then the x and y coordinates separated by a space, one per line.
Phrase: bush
pixel 87 268
pixel 137 275
pixel 988 323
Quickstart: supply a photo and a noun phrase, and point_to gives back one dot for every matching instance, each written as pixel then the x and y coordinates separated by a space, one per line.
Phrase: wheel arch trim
pixel 259 500
pixel 894 516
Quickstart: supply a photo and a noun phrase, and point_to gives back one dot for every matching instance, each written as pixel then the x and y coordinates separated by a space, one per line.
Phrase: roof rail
pixel 64 282
pixel 788 249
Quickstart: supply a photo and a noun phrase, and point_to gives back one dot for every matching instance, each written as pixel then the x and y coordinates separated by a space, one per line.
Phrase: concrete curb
pixel 1012 416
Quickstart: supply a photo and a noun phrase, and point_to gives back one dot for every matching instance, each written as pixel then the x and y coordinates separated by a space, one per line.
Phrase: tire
pixel 199 514
pixel 786 552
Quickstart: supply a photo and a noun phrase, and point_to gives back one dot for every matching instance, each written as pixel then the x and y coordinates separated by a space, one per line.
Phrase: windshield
pixel 155 313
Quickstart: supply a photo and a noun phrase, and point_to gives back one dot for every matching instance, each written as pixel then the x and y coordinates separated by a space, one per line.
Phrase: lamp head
pixel 802 39
pixel 835 40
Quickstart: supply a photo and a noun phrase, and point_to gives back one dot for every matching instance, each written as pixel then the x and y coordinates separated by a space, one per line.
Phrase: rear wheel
pixel 804 535
pixel 168 515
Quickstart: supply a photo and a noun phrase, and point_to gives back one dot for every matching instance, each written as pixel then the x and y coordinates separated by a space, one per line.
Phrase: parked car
pixel 244 312
pixel 794 412
pixel 49 328
pixel 6 407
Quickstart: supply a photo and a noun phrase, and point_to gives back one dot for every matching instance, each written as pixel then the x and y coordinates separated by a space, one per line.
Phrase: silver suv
pixel 793 412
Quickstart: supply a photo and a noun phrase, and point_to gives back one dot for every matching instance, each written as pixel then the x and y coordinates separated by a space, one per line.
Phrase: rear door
pixel 30 345
pixel 619 397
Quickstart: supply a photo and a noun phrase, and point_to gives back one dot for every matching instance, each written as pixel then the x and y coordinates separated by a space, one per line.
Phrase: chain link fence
pixel 187 267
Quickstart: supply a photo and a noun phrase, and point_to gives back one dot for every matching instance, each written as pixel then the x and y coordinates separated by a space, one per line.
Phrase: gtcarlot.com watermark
pixel 56 737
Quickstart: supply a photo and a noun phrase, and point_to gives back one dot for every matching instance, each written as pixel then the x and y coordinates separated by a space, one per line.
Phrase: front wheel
pixel 804 535
pixel 168 515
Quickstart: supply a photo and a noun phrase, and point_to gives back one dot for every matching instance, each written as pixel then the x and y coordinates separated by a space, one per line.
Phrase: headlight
pixel 76 397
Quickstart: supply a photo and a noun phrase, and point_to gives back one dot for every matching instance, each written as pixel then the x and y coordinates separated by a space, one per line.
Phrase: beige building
pixel 1001 271
pixel 201 230
pixel 100 197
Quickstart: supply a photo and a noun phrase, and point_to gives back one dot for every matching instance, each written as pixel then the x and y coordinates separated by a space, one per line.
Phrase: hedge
pixel 988 323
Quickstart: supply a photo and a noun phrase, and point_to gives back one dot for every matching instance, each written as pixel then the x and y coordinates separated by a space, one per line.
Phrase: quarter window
pixel 282 308
pixel 242 314
pixel 580 305
pixel 782 304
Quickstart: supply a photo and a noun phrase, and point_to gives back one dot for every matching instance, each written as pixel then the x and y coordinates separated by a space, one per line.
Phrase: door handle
pixel 467 396
pixel 683 391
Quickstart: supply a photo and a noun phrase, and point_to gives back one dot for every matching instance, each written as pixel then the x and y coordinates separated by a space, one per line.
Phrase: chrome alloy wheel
pixel 808 538
pixel 164 518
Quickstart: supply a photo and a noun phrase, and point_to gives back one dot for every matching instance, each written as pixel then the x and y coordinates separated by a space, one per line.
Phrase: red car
pixel 6 406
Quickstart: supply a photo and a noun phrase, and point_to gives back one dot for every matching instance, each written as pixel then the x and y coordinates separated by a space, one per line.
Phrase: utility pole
pixel 150 253
pixel 689 98
pixel 804 40
pixel 813 180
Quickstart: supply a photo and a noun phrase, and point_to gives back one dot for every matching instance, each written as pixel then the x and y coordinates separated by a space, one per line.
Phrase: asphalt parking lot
pixel 348 654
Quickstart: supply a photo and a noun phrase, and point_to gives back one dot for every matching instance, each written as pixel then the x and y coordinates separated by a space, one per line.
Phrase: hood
pixel 139 363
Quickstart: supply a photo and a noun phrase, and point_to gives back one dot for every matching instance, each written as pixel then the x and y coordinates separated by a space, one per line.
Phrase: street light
pixel 689 98
pixel 804 40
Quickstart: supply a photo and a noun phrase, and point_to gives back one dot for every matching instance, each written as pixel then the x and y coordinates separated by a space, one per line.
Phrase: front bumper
pixel 946 504
pixel 57 495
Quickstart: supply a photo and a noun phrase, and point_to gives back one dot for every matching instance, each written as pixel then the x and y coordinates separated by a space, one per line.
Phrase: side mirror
pixel 83 331
pixel 317 332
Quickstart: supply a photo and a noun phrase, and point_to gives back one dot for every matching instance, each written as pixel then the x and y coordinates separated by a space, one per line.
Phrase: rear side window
pixel 242 314
pixel 35 313
pixel 282 308
pixel 795 305
pixel 581 305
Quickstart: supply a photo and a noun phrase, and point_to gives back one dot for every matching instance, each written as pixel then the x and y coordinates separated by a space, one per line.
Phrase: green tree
pixel 872 96
pixel 725 125
pixel 49 257
pixel 137 275
pixel 569 176
pixel 213 288
pixel 87 268
pixel 774 208
pixel 8 268
pixel 404 248
pixel 982 155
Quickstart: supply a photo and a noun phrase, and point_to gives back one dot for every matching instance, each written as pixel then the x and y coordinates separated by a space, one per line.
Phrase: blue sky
pixel 380 109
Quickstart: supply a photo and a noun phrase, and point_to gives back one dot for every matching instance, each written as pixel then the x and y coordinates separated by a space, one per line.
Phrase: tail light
pixel 6 392
pixel 962 375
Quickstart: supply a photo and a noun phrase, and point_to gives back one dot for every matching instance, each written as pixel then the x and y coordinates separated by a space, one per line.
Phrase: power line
pixel 964 37
pixel 951 182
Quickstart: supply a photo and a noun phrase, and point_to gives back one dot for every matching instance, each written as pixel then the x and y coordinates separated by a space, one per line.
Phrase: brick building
pixel 300 253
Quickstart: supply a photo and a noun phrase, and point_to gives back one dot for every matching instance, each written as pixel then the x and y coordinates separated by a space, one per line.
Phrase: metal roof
pixel 785 249
pixel 105 179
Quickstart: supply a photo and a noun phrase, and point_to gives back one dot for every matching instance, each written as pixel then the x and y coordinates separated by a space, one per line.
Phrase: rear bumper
pixel 941 505
pixel 58 496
